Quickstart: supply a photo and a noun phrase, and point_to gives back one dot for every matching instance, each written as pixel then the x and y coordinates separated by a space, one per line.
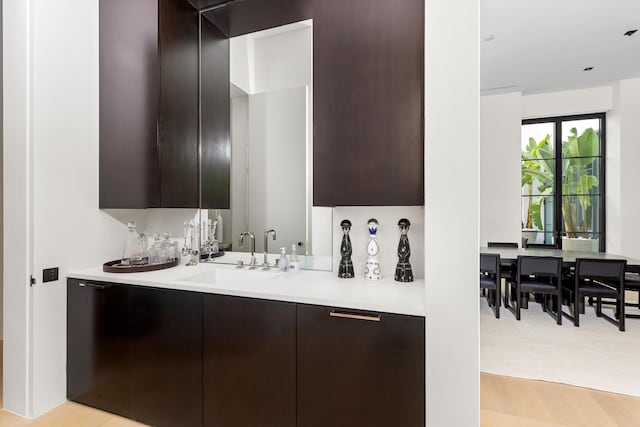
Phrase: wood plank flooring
pixel 505 402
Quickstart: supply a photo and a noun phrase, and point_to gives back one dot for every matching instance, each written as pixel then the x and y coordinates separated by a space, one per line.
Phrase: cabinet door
pixel 368 78
pixel 215 176
pixel 97 345
pixel 249 362
pixel 166 357
pixel 359 369
pixel 178 108
pixel 129 104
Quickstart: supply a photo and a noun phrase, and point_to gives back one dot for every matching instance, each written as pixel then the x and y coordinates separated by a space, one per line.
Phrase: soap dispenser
pixel 294 261
pixel 283 262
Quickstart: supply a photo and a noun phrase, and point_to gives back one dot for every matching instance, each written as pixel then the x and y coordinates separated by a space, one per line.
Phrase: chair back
pixel 502 245
pixel 537 246
pixel 539 266
pixel 606 270
pixel 490 263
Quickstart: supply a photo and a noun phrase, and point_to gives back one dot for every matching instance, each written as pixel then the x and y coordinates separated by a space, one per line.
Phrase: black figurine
pixel 345 271
pixel 404 273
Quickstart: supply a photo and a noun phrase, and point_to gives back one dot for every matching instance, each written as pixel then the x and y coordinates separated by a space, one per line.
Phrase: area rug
pixel 595 355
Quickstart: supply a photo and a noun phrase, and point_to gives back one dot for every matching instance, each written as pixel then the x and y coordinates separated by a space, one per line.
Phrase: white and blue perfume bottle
pixel 372 267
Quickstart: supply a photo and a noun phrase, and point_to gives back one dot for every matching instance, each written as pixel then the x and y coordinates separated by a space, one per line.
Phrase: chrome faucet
pixel 252 264
pixel 265 263
pixel 190 246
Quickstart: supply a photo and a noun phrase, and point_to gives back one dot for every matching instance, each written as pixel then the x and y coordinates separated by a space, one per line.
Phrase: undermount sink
pixel 230 275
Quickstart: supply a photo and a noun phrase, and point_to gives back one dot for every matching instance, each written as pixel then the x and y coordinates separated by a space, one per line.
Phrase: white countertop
pixel 305 286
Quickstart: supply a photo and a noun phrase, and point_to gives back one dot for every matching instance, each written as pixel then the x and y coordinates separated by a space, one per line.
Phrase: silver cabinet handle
pixel 91 285
pixel 354 316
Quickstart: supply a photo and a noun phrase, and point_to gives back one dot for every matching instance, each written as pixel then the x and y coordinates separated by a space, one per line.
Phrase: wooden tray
pixel 117 267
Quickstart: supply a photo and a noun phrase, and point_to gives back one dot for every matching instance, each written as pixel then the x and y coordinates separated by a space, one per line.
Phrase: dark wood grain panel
pixel 178 111
pixel 215 148
pixel 166 357
pixel 97 346
pixel 249 362
pixel 248 16
pixel 355 372
pixel 368 102
pixel 129 176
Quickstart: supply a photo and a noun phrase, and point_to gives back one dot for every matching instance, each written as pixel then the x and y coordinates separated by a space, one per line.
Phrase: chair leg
pixel 599 307
pixel 497 299
pixel 518 303
pixel 559 307
pixel 576 310
pixel 545 302
pixel 621 312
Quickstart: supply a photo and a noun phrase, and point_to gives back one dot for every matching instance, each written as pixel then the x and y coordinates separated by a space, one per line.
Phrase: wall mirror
pixel 270 133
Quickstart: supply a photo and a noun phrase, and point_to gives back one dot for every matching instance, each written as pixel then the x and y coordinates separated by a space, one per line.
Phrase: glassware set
pixel 137 250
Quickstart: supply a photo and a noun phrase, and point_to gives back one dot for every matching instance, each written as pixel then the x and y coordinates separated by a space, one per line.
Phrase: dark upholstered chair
pixel 502 245
pixel 540 275
pixel 632 283
pixel 490 280
pixel 528 245
pixel 598 278
pixel 506 268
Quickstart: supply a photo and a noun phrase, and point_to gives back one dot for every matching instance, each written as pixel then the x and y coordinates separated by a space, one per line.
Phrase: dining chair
pixel 632 283
pixel 507 268
pixel 490 280
pixel 528 245
pixel 598 278
pixel 539 275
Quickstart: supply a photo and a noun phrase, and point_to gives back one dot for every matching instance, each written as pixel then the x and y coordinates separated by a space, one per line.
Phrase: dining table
pixel 509 256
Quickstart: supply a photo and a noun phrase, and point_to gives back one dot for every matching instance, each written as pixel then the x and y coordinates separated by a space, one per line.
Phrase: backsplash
pixel 172 221
pixel 388 236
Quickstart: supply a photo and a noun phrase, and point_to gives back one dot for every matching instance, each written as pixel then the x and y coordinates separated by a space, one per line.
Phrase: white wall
pixel 582 101
pixel 277 189
pixel 501 169
pixel 388 236
pixel 283 60
pixel 500 117
pixel 623 173
pixel 452 212
pixel 69 231
pixel 17 204
pixel 1 205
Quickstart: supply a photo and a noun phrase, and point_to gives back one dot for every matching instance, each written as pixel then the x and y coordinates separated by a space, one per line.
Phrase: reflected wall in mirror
pixel 270 104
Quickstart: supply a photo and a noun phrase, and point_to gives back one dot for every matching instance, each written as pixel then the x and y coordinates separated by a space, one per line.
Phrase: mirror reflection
pixel 271 150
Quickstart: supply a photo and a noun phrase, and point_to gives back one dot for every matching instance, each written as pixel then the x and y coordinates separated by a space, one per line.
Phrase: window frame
pixel 557 185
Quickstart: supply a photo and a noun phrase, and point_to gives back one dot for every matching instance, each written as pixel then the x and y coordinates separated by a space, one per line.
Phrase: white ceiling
pixel 544 45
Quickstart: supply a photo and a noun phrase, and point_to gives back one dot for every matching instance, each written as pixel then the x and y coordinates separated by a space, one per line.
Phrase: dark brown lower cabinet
pixel 165 362
pixel 249 362
pixel 359 369
pixel 135 351
pixel 176 358
pixel 97 345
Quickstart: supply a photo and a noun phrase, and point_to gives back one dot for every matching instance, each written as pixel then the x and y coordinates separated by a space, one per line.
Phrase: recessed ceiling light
pixel 630 32
pixel 489 38
pixel 588 69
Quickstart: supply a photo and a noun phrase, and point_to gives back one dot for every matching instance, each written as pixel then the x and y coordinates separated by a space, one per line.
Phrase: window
pixel 563 182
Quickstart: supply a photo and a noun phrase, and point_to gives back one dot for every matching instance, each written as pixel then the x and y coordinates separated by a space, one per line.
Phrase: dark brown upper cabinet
pixel 129 80
pixel 368 69
pixel 215 140
pixel 149 151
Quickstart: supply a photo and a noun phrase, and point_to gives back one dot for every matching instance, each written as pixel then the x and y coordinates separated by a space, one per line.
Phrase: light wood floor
pixel 505 402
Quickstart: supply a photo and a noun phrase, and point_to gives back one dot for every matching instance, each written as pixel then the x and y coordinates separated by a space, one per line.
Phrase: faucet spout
pixel 253 241
pixel 265 263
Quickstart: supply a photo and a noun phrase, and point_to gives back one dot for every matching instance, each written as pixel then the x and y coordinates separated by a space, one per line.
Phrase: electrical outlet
pixel 49 275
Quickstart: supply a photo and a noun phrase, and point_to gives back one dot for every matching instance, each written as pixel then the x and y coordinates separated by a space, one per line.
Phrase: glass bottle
pixel 134 249
pixel 155 249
